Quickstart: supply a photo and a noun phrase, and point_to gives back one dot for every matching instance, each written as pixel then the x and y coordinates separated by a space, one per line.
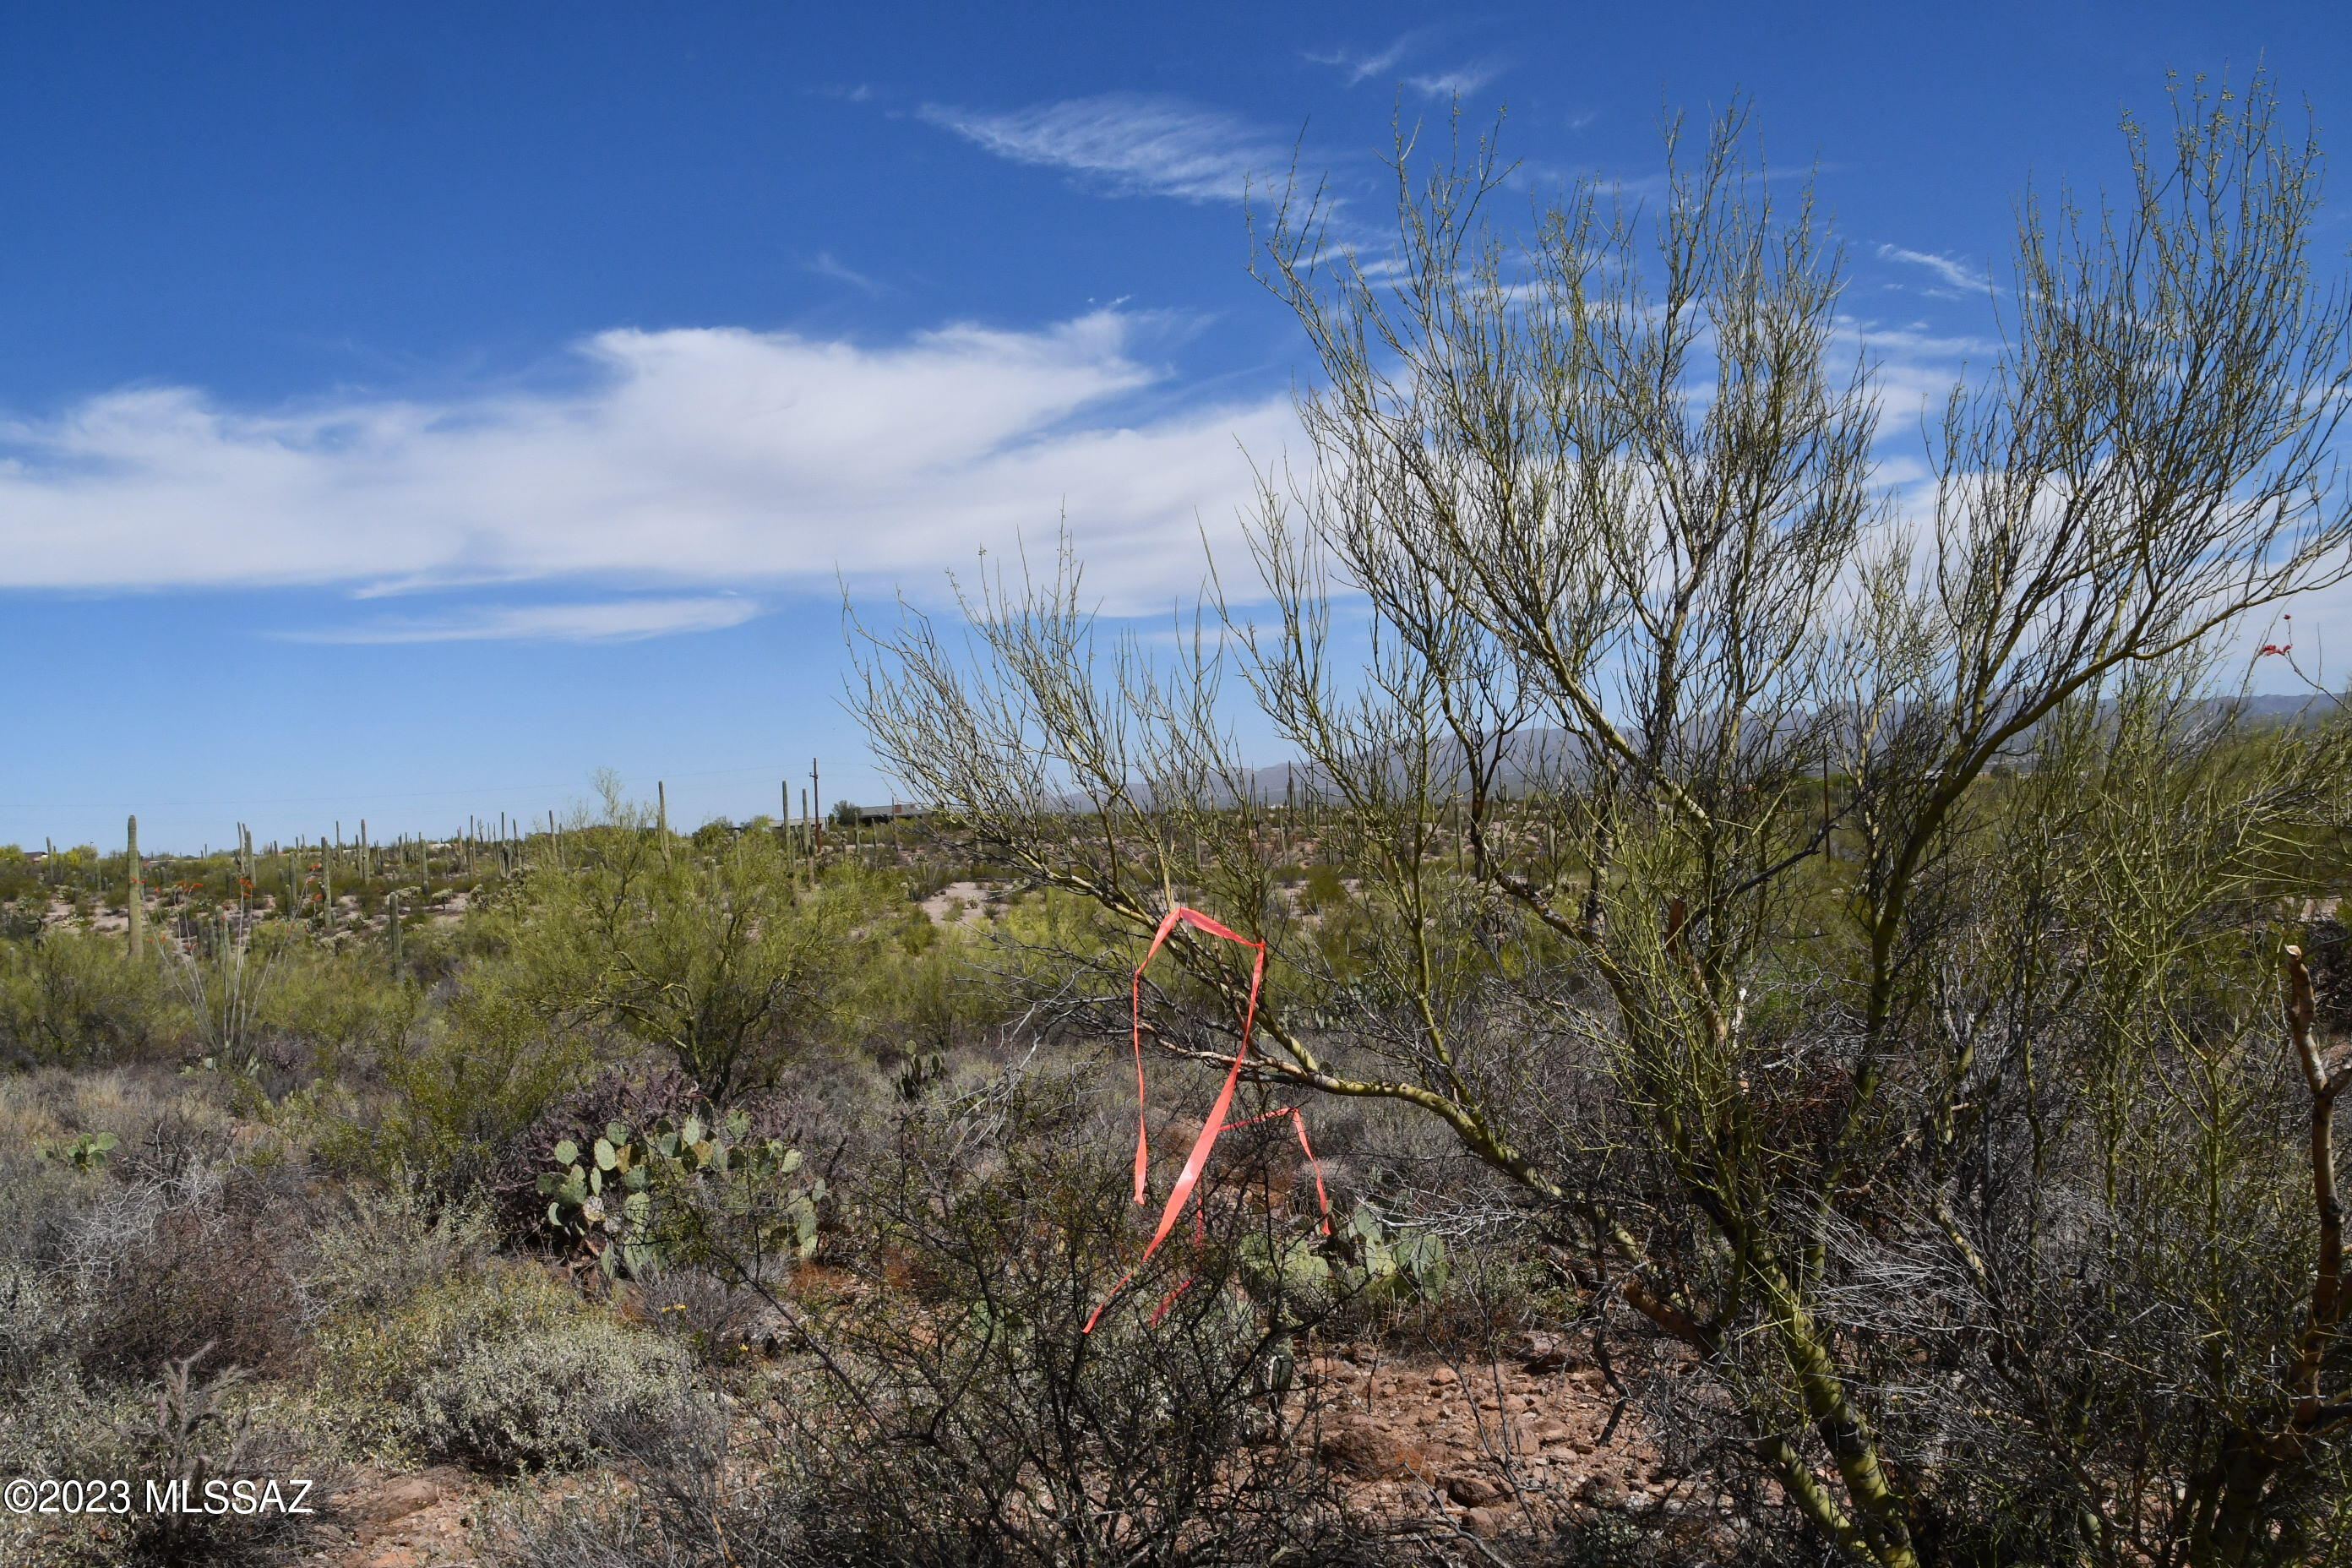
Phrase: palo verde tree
pixel 713 951
pixel 1854 929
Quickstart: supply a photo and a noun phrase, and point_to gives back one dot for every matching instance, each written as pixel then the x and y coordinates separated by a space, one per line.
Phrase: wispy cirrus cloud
pixel 1955 273
pixel 1361 66
pixel 825 264
pixel 683 462
pixel 1456 81
pixel 1126 143
pixel 612 620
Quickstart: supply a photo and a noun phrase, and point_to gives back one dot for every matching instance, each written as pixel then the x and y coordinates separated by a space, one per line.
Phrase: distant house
pixel 846 814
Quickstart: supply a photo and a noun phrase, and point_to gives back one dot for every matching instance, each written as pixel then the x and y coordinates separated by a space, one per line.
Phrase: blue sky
pixel 407 410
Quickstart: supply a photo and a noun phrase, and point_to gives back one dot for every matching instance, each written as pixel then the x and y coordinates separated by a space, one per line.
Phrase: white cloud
pixel 1361 68
pixel 617 620
pixel 1956 273
pixel 823 265
pixel 697 459
pixel 1460 81
pixel 1129 144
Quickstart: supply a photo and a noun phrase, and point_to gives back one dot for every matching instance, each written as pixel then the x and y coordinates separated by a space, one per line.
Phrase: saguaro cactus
pixel 138 890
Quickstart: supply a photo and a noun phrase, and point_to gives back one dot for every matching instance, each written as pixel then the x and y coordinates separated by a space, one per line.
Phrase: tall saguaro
pixel 138 890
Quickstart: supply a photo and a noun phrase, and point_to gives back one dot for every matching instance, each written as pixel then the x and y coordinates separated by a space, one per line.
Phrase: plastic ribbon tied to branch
pixel 1214 1126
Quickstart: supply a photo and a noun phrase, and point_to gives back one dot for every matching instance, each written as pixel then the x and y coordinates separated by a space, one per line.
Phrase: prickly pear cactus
pixel 633 1200
pixel 1395 1261
pixel 1368 1259
pixel 86 1152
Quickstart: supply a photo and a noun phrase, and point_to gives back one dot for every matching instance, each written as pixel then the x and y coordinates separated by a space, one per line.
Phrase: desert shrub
pixel 702 1491
pixel 165 1130
pixel 501 1368
pixel 927 989
pixel 60 1426
pixel 1861 947
pixel 45 1199
pixel 164 1269
pixel 321 1007
pixel 75 998
pixel 36 1323
pixel 164 1246
pixel 390 1246
pixel 719 955
pixel 722 1323
pixel 187 1426
pixel 476 1076
pixel 959 1411
pixel 164 1123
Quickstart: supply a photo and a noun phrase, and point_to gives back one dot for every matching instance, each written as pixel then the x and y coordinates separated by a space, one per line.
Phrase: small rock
pixel 1486 1523
pixel 1443 1377
pixel 1358 1446
pixel 1602 1492
pixel 1542 1353
pixel 1473 1491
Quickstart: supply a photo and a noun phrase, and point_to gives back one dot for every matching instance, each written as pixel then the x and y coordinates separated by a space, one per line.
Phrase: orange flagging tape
pixel 1215 1125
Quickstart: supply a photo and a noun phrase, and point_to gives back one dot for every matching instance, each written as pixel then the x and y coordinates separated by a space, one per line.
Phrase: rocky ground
pixel 402 1522
pixel 1487 1450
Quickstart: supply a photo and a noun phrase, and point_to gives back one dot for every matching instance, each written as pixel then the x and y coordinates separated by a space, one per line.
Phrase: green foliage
pixel 337 1004
pixel 1323 888
pixel 924 985
pixel 607 1199
pixel 1369 1260
pixel 1394 1262
pixel 76 998
pixel 19 876
pixel 717 954
pixel 85 1152
pixel 472 1078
